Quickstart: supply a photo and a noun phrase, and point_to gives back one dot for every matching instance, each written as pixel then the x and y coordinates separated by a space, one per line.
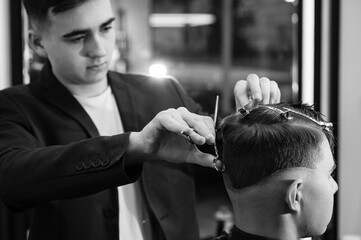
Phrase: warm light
pixel 158 70
pixel 181 19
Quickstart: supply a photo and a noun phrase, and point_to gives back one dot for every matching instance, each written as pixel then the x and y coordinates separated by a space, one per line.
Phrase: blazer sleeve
pixel 31 174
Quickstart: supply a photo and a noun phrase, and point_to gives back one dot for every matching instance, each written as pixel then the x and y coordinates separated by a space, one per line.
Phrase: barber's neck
pixel 86 89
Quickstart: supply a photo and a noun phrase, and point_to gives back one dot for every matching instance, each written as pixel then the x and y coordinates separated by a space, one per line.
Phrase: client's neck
pixel 263 213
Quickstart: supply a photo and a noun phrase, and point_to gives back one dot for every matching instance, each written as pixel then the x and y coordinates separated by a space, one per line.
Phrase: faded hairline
pixel 282 174
pixel 41 20
pixel 40 26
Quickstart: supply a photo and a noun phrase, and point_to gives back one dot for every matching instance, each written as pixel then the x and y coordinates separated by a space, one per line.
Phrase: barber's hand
pixel 259 90
pixel 168 135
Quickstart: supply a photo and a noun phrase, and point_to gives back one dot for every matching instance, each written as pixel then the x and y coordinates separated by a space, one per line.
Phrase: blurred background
pixel 310 47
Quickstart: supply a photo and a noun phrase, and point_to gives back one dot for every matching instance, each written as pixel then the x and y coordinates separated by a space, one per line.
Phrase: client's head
pixel 279 162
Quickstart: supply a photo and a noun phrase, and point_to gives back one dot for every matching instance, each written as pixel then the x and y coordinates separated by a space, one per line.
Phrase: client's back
pixel 278 158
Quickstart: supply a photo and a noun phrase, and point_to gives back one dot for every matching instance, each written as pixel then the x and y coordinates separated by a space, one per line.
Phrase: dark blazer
pixel 53 160
pixel 237 234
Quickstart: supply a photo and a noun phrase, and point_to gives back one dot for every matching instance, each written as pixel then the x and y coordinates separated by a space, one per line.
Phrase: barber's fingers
pixel 255 91
pixel 201 125
pixel 241 94
pixel 270 91
pixel 200 158
pixel 265 89
pixel 198 128
pixel 170 121
pixel 195 128
pixel 188 132
pixel 275 92
pixel 248 90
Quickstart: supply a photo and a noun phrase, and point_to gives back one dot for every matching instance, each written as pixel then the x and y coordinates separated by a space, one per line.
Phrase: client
pixel 278 172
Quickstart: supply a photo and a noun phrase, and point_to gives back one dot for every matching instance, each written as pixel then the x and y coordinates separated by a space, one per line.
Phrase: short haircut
pixel 38 10
pixel 262 143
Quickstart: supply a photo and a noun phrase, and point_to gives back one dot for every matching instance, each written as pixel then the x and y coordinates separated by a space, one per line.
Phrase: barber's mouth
pixel 97 66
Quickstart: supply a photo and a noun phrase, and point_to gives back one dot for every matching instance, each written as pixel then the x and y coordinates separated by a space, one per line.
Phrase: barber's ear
pixel 35 42
pixel 294 195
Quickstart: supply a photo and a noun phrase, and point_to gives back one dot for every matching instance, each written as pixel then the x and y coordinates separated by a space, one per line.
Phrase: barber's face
pixel 79 42
pixel 318 193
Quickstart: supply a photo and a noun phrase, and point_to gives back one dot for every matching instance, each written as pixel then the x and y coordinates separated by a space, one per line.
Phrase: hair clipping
pixel 284 114
pixel 246 109
pixel 244 112
pixel 325 125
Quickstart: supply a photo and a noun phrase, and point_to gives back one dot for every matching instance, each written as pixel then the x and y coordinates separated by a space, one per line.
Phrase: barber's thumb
pixel 200 158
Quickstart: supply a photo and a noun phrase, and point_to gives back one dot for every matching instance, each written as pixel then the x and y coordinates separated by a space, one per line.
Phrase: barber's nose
pixel 94 47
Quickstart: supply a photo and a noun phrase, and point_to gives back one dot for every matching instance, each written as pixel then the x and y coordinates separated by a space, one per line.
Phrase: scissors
pixel 217 163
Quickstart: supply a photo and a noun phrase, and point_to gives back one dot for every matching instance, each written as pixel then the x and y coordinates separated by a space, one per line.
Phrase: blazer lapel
pixel 126 102
pixel 58 95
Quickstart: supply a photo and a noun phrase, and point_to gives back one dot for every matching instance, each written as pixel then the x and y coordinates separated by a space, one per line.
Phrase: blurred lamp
pixel 158 70
pixel 175 20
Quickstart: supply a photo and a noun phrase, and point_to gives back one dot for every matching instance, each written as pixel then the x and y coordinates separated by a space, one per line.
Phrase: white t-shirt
pixel 133 222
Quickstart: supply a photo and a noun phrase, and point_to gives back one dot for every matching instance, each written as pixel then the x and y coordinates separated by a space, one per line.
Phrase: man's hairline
pixel 316 151
pixel 38 26
pixel 43 27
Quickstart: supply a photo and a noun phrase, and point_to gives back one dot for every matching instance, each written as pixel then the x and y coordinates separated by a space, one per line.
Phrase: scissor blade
pixel 216 111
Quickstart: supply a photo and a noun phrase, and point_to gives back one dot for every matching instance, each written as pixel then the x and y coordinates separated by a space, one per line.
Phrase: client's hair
pixel 38 9
pixel 271 138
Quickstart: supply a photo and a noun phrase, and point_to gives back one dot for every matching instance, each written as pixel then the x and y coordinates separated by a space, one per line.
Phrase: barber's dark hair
pixel 264 142
pixel 38 10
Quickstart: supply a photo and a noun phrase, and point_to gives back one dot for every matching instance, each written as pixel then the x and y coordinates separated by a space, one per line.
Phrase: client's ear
pixel 294 195
pixel 35 42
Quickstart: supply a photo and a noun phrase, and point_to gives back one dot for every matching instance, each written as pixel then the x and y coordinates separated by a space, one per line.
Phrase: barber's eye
pixel 107 28
pixel 76 39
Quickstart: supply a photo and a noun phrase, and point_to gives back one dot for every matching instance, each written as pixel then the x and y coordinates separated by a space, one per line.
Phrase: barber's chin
pixel 98 70
pixel 96 76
